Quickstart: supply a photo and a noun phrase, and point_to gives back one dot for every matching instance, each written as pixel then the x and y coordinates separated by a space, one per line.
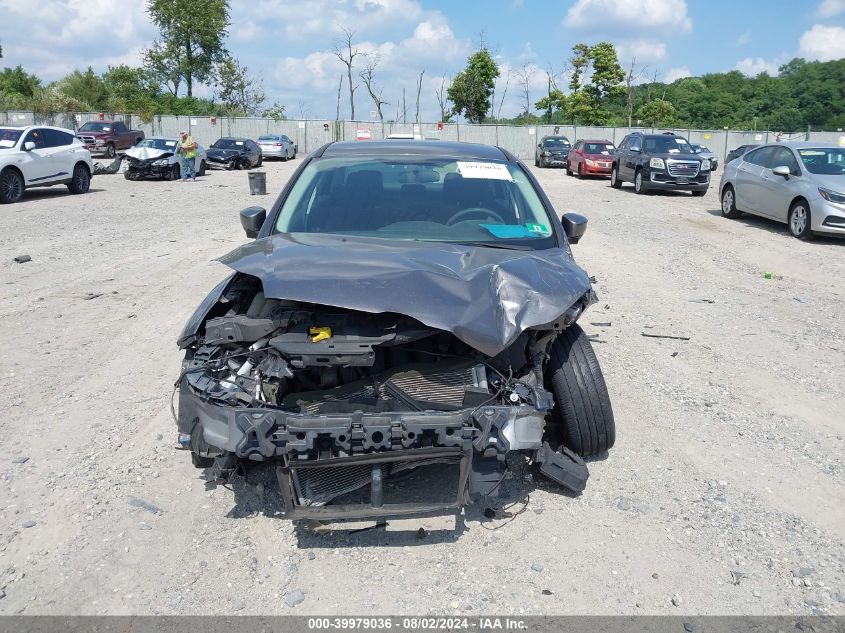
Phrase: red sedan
pixel 590 158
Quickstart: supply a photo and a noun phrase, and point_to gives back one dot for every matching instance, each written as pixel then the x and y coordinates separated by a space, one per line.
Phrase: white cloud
pixel 674 74
pixel 823 43
pixel 646 51
pixel 753 66
pixel 830 8
pixel 669 15
pixel 743 39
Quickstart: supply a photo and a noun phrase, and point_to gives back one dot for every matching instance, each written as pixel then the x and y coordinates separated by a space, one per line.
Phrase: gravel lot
pixel 724 494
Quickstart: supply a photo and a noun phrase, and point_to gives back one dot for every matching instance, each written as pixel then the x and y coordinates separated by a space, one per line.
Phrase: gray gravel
pixel 729 455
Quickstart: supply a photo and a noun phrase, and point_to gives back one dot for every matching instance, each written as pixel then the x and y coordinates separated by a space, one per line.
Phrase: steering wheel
pixel 460 216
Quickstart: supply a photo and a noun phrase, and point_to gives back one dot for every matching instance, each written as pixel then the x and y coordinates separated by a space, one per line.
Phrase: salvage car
pixel 277 146
pixel 234 153
pixel 156 157
pixel 406 308
pixel 801 183
pixel 737 152
pixel 552 151
pixel 706 152
pixel 41 156
pixel 590 158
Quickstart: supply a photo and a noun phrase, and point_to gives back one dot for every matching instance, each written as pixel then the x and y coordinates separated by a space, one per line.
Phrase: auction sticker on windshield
pixel 491 171
pixel 7 143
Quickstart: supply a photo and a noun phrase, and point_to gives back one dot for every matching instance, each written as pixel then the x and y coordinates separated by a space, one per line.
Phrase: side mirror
pixel 574 225
pixel 781 170
pixel 29 146
pixel 252 219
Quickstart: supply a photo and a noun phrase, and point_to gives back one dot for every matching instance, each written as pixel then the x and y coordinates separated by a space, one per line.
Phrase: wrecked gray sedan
pixel 404 307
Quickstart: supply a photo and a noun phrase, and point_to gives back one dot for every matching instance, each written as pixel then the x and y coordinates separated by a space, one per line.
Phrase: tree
pixel 376 94
pixel 596 82
pixel 132 90
pixel 18 81
pixel 630 78
pixel 443 100
pixel 275 112
pixel 471 88
pixel 192 34
pixel 553 103
pixel 524 76
pixel 86 88
pixel 656 112
pixel 346 53
pixel 240 92
pixel 419 89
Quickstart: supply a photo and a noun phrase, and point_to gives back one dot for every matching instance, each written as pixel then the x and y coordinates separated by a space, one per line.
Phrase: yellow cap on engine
pixel 319 334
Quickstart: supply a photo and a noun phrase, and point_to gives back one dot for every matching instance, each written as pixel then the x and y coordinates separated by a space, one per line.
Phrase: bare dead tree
pixel 339 86
pixel 504 94
pixel 404 109
pixel 524 76
pixel 419 89
pixel 443 99
pixel 376 94
pixel 345 51
pixel 303 109
pixel 630 78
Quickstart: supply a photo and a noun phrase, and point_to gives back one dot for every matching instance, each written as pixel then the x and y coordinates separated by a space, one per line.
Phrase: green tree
pixel 240 92
pixel 132 90
pixel 192 34
pixel 553 104
pixel 276 112
pixel 596 82
pixel 19 82
pixel 471 88
pixel 656 112
pixel 86 88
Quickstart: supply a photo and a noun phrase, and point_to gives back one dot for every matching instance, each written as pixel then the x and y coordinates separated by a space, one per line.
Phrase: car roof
pixel 802 144
pixel 558 136
pixel 595 140
pixel 410 147
pixel 232 138
pixel 40 127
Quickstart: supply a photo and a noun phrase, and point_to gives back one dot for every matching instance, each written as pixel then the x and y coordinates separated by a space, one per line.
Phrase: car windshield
pixel 8 138
pixel 599 148
pixel 556 142
pixel 418 198
pixel 158 143
pixel 228 143
pixel 667 145
pixel 93 126
pixel 828 161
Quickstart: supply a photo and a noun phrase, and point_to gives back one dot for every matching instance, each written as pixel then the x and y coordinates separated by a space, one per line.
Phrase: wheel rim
pixel 727 202
pixel 80 181
pixel 799 220
pixel 11 187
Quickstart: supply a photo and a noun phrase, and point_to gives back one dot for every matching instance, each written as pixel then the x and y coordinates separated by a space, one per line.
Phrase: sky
pixel 288 43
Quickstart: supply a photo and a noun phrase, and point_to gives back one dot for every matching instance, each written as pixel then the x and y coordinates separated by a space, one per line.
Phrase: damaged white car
pixel 156 157
pixel 405 307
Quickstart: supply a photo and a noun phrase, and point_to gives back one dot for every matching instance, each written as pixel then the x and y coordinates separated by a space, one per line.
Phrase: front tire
pixel 580 171
pixel 729 209
pixel 201 172
pixel 175 173
pixel 110 151
pixel 12 186
pixel 583 414
pixel 80 182
pixel 614 178
pixel 799 220
pixel 568 168
pixel 639 184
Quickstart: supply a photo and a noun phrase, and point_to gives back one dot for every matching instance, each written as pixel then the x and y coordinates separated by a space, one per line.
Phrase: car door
pixel 572 156
pixel 777 192
pixel 37 166
pixel 628 160
pixel 62 151
pixel 749 179
pixel 121 135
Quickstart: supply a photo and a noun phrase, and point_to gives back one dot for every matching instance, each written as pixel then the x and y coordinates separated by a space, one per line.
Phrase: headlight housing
pixel 832 196
pixel 657 163
pixel 705 164
pixel 590 162
pixel 161 162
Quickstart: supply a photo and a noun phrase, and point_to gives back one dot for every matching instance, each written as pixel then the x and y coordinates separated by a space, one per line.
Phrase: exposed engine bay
pixel 343 400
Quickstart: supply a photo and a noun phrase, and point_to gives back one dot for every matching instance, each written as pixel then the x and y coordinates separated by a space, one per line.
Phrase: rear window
pixel 228 143
pixel 268 138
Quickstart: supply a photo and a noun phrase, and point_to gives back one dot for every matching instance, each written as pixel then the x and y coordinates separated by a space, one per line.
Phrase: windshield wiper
pixel 507 247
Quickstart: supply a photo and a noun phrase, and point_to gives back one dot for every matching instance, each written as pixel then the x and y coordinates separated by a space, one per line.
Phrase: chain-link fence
pixel 521 140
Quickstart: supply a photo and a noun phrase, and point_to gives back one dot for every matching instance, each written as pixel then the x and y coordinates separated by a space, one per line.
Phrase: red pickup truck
pixel 107 137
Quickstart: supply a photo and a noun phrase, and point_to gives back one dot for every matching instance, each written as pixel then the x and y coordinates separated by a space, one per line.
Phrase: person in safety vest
pixel 187 150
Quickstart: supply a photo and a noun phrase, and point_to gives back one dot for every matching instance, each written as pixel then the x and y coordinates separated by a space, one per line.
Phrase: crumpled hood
pixel 145 153
pixel 484 296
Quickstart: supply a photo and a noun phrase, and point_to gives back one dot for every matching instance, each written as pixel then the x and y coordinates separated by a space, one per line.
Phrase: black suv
pixel 552 151
pixel 660 161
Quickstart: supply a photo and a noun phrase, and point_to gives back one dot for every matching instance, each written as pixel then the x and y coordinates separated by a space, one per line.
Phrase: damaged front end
pixel 356 366
pixel 160 166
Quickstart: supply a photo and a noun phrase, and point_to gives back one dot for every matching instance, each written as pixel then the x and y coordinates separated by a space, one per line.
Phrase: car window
pixel 37 137
pixel 57 138
pixel 760 156
pixel 783 157
pixel 667 145
pixel 599 148
pixel 635 143
pixel 9 137
pixel 829 161
pixel 441 199
pixel 119 127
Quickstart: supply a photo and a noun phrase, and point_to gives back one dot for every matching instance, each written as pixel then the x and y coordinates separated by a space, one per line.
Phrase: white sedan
pixel 40 156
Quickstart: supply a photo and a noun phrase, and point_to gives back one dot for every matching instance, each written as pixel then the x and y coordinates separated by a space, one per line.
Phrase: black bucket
pixel 258 183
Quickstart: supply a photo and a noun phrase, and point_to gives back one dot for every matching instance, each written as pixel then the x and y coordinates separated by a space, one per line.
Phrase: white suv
pixel 40 156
